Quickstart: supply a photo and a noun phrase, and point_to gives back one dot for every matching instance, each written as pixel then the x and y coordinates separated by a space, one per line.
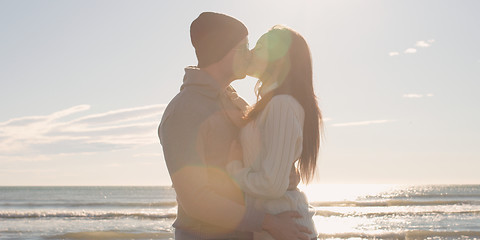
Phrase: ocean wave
pixel 90 204
pixel 380 203
pixel 113 235
pixel 84 214
pixel 418 234
pixel 417 213
pixel 170 214
pixel 406 235
pixel 390 203
pixel 440 195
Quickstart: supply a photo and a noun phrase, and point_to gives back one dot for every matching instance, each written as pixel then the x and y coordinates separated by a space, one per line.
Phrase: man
pixel 196 132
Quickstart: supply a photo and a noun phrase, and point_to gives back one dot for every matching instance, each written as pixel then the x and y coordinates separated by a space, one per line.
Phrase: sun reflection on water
pixel 334 214
pixel 344 192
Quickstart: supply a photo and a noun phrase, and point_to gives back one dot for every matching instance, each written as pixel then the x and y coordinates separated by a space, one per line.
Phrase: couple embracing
pixel 234 167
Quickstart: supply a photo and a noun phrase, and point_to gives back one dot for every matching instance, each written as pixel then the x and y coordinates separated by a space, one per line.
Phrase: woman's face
pixel 259 58
pixel 269 52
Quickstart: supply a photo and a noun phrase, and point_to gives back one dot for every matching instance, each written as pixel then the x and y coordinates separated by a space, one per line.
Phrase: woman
pixel 283 129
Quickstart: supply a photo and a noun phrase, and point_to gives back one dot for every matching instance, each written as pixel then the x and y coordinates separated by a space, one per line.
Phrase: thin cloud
pixel 123 115
pixel 415 95
pixel 141 155
pixel 362 123
pixel 24 158
pixel 68 111
pixel 32 171
pixel 422 44
pixel 412 95
pixel 22 121
pixel 410 50
pixel 26 137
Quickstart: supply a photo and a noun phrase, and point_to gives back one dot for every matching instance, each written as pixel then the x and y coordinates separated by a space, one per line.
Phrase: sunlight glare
pixel 343 192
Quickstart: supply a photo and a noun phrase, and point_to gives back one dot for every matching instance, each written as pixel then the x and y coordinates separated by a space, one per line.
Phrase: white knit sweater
pixel 271 144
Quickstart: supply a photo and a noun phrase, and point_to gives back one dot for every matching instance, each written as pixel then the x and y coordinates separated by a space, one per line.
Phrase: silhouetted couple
pixel 235 168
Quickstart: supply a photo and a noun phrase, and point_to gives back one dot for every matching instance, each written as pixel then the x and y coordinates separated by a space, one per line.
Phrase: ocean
pixel 343 211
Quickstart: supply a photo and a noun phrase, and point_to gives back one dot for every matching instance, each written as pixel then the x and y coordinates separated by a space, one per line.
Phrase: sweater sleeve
pixel 282 140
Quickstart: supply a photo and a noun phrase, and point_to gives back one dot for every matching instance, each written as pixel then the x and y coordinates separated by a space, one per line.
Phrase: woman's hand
pixel 236 152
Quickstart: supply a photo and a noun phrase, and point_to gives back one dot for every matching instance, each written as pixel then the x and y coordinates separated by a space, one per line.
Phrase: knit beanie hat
pixel 213 35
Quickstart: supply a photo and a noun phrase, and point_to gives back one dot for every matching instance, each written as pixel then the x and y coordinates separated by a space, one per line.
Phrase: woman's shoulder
pixel 284 99
pixel 285 102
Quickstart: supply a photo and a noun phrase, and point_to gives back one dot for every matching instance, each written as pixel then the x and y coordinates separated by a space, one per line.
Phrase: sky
pixel 83 86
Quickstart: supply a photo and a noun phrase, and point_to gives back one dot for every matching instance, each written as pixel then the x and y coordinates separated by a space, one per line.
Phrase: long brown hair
pixel 295 77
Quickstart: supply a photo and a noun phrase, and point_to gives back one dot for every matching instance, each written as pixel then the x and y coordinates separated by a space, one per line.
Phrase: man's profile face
pixel 240 59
